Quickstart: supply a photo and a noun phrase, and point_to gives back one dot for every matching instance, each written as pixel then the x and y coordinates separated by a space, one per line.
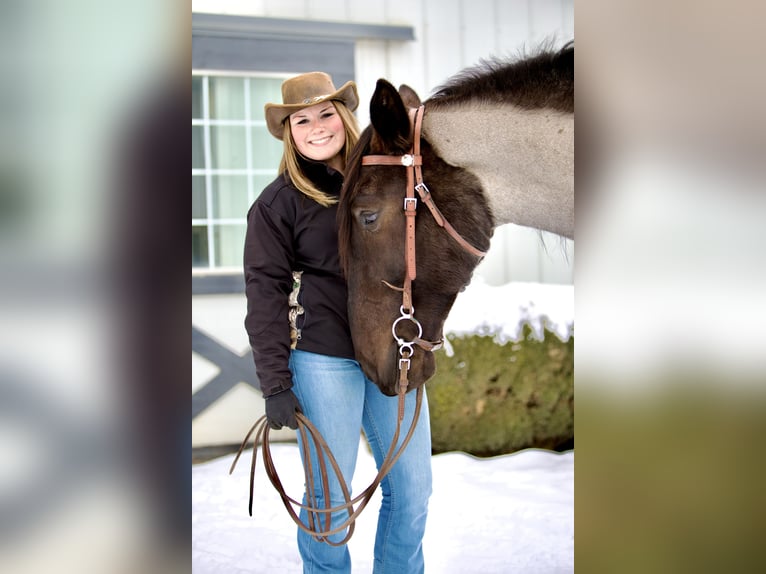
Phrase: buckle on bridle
pixel 413 201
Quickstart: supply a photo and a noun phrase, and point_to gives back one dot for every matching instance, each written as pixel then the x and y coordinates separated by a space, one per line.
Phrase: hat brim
pixel 276 113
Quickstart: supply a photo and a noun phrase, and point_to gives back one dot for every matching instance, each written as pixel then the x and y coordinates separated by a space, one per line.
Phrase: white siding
pixel 285 9
pixel 366 11
pixel 511 27
pixel 477 30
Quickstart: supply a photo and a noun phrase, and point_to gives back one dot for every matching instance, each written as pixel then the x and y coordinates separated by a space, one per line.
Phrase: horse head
pixel 371 226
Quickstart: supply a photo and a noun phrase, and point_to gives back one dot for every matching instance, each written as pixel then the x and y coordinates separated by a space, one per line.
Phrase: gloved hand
pixel 281 408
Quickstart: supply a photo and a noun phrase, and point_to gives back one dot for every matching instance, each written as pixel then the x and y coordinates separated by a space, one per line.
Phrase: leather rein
pixel 319 519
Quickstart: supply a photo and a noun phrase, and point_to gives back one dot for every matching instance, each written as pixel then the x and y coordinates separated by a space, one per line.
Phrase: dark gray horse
pixel 497 146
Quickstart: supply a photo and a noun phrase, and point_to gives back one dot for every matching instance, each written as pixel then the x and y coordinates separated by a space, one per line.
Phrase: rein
pixel 413 163
pixel 316 515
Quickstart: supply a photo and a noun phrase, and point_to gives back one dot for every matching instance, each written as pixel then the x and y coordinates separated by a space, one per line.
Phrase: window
pixel 233 158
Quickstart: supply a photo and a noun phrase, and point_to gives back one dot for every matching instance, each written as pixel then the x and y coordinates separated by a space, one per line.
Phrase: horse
pixel 493 145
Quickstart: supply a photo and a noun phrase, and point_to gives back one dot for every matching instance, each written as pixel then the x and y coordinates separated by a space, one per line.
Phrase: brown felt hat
pixel 304 91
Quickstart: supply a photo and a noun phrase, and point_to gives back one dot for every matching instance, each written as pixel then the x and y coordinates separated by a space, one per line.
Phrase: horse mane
pixel 544 80
pixel 353 170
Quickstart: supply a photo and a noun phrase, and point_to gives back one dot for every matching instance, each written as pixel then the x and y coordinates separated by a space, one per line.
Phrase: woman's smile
pixel 321 141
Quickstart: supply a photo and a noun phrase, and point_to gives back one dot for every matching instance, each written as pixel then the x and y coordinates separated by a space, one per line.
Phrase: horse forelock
pixel 348 194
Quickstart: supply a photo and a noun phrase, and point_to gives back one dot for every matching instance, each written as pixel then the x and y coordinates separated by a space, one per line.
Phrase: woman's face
pixel 318 133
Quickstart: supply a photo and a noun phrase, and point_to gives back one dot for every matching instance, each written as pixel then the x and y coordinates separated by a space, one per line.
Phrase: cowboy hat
pixel 304 91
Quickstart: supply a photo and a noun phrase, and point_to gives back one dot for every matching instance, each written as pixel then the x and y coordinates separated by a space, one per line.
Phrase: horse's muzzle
pixel 422 368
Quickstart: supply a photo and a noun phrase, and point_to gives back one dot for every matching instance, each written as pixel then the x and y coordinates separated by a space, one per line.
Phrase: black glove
pixel 281 408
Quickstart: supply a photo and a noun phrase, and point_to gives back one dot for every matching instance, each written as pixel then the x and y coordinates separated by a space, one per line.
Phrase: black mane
pixel 545 80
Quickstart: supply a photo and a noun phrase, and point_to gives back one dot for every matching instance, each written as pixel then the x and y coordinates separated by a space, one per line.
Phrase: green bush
pixel 489 399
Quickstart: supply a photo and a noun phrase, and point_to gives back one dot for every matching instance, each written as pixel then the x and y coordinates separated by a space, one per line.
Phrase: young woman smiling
pixel 297 325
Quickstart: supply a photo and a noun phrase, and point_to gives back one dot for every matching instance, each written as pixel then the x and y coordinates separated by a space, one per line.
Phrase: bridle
pixel 413 162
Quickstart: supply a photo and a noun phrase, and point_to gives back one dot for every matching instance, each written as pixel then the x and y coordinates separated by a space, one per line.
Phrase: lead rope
pixel 307 429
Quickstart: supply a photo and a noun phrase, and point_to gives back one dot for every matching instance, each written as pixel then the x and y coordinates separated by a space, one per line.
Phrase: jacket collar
pixel 322 175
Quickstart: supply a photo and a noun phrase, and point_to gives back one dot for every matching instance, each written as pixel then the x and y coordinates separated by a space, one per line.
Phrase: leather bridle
pixel 413 162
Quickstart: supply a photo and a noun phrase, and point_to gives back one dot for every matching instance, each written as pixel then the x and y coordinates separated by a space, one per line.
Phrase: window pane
pixel 261 181
pixel 199 205
pixel 227 147
pixel 227 98
pixel 196 97
pixel 200 256
pixel 230 196
pixel 198 152
pixel 263 91
pixel 229 244
pixel 267 150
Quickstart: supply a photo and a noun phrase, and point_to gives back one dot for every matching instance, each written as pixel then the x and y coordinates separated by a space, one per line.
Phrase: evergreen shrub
pixel 490 399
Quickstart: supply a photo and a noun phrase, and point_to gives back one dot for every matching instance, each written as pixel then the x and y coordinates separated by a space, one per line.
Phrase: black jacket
pixel 289 232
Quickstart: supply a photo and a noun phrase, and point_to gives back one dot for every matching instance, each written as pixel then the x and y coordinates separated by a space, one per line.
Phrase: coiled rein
pixel 307 430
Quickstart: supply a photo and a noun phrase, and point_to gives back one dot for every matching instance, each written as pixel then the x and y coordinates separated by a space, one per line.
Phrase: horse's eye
pixel 368 217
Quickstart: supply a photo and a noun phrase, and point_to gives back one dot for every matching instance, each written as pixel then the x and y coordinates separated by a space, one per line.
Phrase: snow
pixel 502 311
pixel 511 513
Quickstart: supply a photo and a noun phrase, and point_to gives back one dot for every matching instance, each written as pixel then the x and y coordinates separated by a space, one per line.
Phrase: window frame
pixel 209 172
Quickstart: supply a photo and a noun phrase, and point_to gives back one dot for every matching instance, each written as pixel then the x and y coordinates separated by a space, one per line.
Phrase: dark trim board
pixel 274 55
pixel 218 284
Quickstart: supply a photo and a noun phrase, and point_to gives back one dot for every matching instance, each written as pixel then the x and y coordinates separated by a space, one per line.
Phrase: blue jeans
pixel 339 400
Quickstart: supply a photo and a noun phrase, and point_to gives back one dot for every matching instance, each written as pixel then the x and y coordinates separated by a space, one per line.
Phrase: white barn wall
pixel 477 27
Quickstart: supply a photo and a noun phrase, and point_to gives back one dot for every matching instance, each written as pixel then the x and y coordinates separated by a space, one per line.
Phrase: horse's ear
pixel 388 115
pixel 409 96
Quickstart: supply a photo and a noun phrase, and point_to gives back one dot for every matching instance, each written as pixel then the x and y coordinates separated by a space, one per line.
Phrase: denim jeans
pixel 340 401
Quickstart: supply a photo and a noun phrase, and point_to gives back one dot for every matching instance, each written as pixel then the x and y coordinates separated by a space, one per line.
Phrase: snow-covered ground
pixel 512 513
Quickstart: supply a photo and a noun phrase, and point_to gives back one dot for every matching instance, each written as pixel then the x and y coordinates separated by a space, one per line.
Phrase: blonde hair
pixel 290 155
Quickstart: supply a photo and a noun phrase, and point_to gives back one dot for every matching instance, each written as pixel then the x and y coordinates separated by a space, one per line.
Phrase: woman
pixel 298 327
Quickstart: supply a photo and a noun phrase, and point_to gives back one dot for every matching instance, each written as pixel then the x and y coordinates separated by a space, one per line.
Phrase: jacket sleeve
pixel 268 262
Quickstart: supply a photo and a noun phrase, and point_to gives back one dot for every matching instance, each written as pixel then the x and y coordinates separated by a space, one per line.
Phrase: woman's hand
pixel 281 409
